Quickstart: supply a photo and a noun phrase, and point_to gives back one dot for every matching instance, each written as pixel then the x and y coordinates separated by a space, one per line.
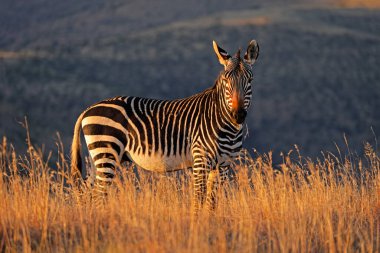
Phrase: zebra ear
pixel 223 56
pixel 252 52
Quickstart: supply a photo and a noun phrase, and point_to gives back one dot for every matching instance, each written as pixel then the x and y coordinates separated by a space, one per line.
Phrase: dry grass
pixel 331 205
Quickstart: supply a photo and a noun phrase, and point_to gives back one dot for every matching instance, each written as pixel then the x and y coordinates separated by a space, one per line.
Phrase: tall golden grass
pixel 328 205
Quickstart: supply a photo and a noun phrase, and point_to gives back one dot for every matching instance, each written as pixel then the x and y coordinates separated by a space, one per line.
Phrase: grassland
pixel 326 205
pixel 317 77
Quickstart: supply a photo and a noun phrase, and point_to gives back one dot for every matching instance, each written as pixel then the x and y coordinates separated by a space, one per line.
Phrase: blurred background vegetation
pixel 317 77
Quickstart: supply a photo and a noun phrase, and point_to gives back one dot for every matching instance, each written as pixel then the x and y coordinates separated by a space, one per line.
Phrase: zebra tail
pixel 76 150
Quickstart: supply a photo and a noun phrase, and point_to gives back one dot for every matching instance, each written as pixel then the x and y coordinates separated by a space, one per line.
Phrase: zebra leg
pixel 212 189
pixel 105 160
pixel 223 173
pixel 216 179
pixel 200 181
pixel 201 167
pixel 105 172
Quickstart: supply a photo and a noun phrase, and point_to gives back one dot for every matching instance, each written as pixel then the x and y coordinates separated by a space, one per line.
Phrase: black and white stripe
pixel 203 131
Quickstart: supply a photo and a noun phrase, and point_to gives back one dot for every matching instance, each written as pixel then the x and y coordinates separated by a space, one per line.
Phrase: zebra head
pixel 235 81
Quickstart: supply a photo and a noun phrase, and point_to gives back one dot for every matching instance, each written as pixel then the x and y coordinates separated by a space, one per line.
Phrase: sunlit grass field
pixel 330 204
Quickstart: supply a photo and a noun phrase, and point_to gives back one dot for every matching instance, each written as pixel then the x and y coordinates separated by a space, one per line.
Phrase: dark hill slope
pixel 317 76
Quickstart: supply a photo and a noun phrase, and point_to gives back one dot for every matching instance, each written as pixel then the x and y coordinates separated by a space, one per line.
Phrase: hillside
pixel 317 77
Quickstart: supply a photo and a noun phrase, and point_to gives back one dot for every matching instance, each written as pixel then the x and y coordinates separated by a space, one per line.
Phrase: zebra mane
pixel 234 65
pixel 237 55
pixel 213 87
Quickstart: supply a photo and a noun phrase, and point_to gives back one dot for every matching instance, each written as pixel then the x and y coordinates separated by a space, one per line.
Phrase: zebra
pixel 203 131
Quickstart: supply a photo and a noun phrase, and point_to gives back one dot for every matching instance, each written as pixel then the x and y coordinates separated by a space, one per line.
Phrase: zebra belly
pixel 160 163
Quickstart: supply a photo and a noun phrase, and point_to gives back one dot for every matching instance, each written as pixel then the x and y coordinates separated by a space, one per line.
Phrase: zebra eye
pixel 250 79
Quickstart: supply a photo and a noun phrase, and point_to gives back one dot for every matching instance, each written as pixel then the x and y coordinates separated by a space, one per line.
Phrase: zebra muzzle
pixel 239 115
